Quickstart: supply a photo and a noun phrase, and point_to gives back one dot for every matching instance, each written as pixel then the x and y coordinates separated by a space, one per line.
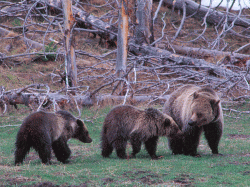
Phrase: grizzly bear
pixel 126 122
pixel 43 131
pixel 195 110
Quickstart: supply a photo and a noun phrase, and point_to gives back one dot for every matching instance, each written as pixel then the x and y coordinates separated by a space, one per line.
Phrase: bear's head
pixel 204 110
pixel 171 128
pixel 75 127
pixel 165 124
pixel 81 132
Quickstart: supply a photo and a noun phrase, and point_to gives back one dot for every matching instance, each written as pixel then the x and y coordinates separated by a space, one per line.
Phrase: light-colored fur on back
pixel 58 127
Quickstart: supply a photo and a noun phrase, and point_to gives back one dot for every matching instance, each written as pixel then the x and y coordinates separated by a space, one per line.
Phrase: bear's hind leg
pixel 151 146
pixel 136 146
pixel 22 148
pixel 44 152
pixel 121 153
pixel 213 134
pixel 20 153
pixel 120 146
pixel 107 148
pixel 61 150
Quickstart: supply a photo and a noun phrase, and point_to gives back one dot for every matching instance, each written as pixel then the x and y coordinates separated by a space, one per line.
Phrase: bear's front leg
pixel 213 133
pixel 151 146
pixel 191 141
pixel 61 149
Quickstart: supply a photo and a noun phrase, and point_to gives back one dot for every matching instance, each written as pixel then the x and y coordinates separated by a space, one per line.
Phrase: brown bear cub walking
pixel 125 123
pixel 43 131
pixel 195 110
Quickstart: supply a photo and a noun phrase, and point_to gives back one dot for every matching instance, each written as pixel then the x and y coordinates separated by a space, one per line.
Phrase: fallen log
pixel 217 72
pixel 219 55
pixel 213 16
pixel 35 97
pixel 33 43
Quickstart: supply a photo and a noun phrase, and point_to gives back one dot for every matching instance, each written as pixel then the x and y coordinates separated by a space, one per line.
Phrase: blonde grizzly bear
pixel 45 131
pixel 195 110
pixel 126 122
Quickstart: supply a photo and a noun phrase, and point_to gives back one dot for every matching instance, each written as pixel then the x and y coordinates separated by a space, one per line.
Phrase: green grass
pixel 87 167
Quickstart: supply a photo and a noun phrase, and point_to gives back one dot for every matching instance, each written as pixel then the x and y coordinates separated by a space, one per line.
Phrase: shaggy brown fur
pixel 125 123
pixel 195 109
pixel 43 131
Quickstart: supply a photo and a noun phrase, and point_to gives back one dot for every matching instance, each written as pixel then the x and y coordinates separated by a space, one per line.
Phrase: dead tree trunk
pixel 70 58
pixel 122 42
pixel 144 31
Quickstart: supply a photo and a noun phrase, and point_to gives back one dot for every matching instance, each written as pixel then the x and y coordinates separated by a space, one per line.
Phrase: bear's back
pixel 38 120
pixel 122 120
pixel 40 123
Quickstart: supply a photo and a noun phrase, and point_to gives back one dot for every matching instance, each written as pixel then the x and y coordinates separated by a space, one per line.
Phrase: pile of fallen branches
pixel 152 72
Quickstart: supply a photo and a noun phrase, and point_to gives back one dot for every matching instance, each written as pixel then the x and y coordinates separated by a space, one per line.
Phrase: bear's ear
pixel 79 123
pixel 167 122
pixel 214 102
pixel 196 95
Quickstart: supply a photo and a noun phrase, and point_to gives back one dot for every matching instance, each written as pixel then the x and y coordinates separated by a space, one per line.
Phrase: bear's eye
pixel 204 121
pixel 199 115
pixel 167 122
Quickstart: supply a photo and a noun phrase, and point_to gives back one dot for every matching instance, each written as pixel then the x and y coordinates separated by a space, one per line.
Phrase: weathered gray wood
pixel 182 60
pixel 34 44
pixel 70 58
pixel 122 40
pixel 143 28
pixel 214 17
pixel 206 52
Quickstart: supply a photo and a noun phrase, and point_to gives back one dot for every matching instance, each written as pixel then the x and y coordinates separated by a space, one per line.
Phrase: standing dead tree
pixel 122 42
pixel 70 58
pixel 144 23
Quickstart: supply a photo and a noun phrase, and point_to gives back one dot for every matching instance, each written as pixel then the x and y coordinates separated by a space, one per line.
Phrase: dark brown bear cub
pixel 43 131
pixel 195 110
pixel 125 123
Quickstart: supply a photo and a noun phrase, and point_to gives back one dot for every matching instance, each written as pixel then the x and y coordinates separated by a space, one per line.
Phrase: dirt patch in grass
pixel 9 181
pixel 238 136
pixel 184 180
pixel 145 177
pixel 107 180
pixel 239 163
pixel 138 176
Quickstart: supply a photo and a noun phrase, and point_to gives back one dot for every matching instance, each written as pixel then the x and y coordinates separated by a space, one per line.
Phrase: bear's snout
pixel 176 134
pixel 192 123
pixel 86 140
pixel 89 140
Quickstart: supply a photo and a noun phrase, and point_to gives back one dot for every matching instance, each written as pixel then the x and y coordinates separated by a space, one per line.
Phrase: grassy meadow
pixel 88 168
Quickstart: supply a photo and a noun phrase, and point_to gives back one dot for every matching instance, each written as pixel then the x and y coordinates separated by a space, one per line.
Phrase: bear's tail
pixel 22 147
